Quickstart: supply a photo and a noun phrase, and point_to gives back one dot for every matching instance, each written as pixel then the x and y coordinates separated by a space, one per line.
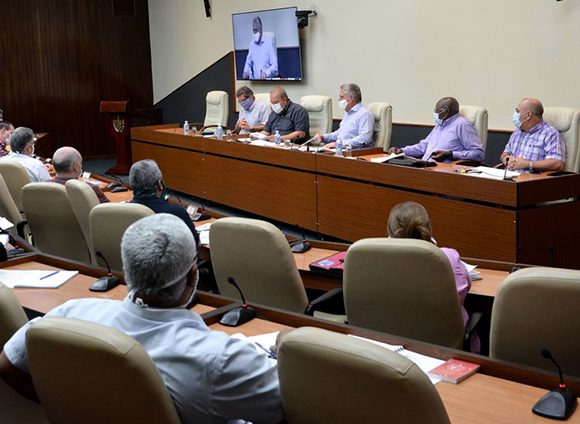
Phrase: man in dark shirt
pixel 289 118
pixel 149 190
pixel 68 165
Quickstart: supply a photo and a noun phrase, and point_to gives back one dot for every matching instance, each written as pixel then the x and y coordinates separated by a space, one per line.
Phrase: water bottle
pixel 186 128
pixel 338 148
pixel 277 138
pixel 348 153
pixel 219 133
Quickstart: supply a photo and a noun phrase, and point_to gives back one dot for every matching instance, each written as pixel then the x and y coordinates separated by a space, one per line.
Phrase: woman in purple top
pixel 411 220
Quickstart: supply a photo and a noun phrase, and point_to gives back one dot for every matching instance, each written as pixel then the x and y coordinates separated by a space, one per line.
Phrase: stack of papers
pixel 35 279
pixel 492 173
pixel 385 158
pixel 203 231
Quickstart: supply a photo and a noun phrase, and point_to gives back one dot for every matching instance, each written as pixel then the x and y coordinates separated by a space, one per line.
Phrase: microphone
pixel 307 143
pixel 507 159
pixel 238 316
pixel 559 403
pixel 195 214
pixel 300 246
pixel 107 283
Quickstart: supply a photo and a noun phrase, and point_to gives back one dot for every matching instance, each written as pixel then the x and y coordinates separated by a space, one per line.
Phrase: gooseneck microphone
pixel 558 404
pixel 104 283
pixel 238 316
pixel 301 245
pixel 507 159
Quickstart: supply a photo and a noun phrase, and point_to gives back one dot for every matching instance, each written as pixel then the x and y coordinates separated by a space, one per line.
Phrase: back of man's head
pixel 21 137
pixel 143 177
pixel 64 159
pixel 158 251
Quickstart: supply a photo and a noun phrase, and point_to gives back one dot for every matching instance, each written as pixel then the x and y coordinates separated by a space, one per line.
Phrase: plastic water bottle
pixel 219 133
pixel 348 153
pixel 186 128
pixel 338 148
pixel 277 138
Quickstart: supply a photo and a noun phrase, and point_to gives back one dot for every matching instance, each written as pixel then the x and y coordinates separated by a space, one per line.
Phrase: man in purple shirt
pixel 453 137
pixel 534 145
pixel 356 128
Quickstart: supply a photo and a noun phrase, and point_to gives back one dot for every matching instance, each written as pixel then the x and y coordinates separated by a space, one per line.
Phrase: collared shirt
pixel 538 143
pixel 100 195
pixel 456 134
pixel 356 128
pixel 211 377
pixel 262 57
pixel 293 118
pixel 34 168
pixel 257 115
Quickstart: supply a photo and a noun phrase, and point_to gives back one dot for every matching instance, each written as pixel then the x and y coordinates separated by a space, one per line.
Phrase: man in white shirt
pixel 211 377
pixel 262 58
pixel 253 114
pixel 22 143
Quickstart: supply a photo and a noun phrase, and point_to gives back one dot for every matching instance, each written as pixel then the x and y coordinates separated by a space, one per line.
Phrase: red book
pixel 333 264
pixel 454 371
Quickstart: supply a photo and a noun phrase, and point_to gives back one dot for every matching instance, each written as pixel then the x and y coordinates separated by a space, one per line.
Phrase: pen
pixel 268 351
pixel 49 275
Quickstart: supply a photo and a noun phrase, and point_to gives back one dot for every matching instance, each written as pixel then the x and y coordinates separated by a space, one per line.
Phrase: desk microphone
pixel 507 159
pixel 104 283
pixel 300 246
pixel 558 404
pixel 239 315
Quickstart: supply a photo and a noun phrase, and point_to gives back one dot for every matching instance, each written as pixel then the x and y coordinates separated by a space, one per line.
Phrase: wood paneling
pixel 60 58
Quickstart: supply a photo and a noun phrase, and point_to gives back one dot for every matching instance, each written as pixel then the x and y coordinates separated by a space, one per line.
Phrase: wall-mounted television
pixel 267 45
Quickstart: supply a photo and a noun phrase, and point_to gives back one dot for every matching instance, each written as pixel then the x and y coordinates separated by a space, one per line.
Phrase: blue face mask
pixel 516 119
pixel 436 119
pixel 247 103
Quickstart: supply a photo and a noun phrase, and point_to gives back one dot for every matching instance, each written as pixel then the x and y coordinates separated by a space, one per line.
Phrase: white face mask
pixel 183 305
pixel 277 108
pixel 257 36
pixel 342 104
pixel 516 119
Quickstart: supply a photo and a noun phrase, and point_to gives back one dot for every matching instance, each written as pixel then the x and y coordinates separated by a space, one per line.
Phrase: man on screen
pixel 262 59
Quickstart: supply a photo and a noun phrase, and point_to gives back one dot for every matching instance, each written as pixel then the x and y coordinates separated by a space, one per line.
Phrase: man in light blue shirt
pixel 22 142
pixel 253 114
pixel 262 59
pixel 356 127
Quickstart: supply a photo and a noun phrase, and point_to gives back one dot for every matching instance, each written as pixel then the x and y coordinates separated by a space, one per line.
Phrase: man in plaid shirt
pixel 534 145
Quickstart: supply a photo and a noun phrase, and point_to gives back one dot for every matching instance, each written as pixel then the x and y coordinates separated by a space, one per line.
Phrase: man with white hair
pixel 211 377
pixel 262 59
pixel 22 143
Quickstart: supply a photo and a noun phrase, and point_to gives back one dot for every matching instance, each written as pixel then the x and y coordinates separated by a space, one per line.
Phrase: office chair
pixel 15 177
pixel 383 126
pixel 88 373
pixel 326 377
pixel 537 308
pixel 567 121
pixel 319 110
pixel 9 210
pixel 82 199
pixel 477 115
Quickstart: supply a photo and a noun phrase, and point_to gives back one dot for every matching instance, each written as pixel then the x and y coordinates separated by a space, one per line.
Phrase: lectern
pixel 120 113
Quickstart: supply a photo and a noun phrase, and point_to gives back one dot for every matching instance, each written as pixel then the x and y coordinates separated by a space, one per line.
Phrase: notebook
pixel 333 264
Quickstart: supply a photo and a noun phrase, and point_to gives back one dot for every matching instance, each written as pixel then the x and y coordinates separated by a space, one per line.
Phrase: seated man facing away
pixel 211 377
pixel 534 145
pixel 149 190
pixel 289 118
pixel 453 137
pixel 253 115
pixel 22 143
pixel 6 129
pixel 356 128
pixel 68 164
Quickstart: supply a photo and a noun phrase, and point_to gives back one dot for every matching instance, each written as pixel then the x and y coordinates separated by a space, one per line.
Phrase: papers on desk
pixel 4 239
pixel 259 136
pixel 491 173
pixel 203 231
pixel 385 158
pixel 473 273
pixel 5 224
pixel 425 363
pixel 261 343
pixel 35 279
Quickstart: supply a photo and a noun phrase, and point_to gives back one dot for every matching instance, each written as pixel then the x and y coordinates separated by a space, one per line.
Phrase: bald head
pixel 447 107
pixel 67 162
pixel 279 94
pixel 530 104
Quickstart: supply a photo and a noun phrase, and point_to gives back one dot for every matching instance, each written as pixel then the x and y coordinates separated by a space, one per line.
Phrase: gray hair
pixel 352 90
pixel 20 138
pixel 257 20
pixel 143 176
pixel 64 159
pixel 156 250
pixel 244 90
pixel 5 125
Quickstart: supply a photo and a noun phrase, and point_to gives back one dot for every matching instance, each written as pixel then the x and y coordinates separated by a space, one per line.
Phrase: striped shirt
pixel 538 143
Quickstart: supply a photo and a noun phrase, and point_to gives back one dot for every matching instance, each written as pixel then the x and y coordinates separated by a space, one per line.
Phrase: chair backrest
pixel 404 287
pixel 326 377
pixel 257 255
pixel 52 222
pixel 383 114
pixel 82 199
pixel 12 316
pixel 263 98
pixel 537 308
pixel 8 208
pixel 319 110
pixel 89 373
pixel 477 115
pixel 15 177
pixel 567 121
pixel 217 108
pixel 107 223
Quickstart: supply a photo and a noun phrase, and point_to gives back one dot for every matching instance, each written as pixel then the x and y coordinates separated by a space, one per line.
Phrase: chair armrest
pixel 470 327
pixel 20 228
pixel 327 298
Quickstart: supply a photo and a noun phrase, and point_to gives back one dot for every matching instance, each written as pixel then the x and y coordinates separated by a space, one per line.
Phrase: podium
pixel 120 114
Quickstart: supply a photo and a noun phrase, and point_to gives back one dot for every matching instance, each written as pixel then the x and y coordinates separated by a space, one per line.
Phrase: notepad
pixel 454 371
pixel 333 264
pixel 35 279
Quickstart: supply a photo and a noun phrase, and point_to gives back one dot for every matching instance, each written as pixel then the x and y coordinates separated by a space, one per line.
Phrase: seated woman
pixel 410 220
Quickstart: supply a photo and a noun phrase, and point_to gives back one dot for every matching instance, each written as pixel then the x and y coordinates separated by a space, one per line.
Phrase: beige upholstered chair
pixel 257 255
pixel 331 378
pixel 15 177
pixel 82 199
pixel 88 373
pixel 404 287
pixel 217 109
pixel 8 208
pixel 52 222
pixel 319 110
pixel 567 121
pixel 537 308
pixel 263 98
pixel 383 113
pixel 477 115
pixel 107 223
pixel 12 316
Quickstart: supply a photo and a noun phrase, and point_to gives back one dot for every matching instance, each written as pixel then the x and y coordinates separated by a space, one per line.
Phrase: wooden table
pixel 529 220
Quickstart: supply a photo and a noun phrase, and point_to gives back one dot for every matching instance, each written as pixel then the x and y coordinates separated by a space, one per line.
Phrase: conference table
pixel 500 393
pixel 530 219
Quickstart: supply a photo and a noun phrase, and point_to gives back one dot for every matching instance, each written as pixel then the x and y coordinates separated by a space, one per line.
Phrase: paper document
pixel 4 239
pixel 382 159
pixel 35 279
pixel 203 231
pixel 5 224
pixel 262 143
pixel 261 342
pixel 258 135
pixel 491 173
pixel 473 273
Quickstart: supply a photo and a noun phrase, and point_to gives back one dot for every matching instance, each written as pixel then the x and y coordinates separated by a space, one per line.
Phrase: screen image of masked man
pixel 262 59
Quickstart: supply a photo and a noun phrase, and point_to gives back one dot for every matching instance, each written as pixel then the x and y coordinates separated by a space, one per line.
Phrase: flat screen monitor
pixel 267 45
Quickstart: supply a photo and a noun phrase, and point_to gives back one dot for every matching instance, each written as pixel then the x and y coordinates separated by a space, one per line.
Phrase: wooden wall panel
pixel 61 57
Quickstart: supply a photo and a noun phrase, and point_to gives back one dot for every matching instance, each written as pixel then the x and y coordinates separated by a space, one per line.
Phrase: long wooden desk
pixel 530 220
